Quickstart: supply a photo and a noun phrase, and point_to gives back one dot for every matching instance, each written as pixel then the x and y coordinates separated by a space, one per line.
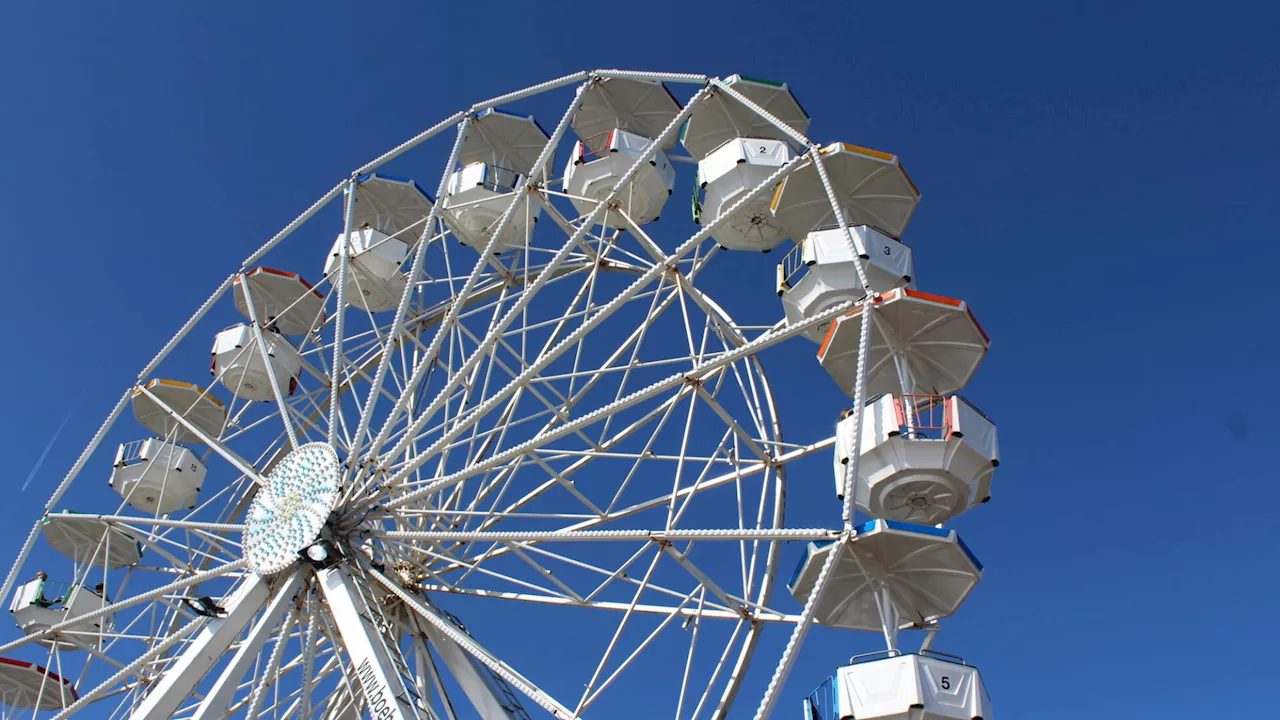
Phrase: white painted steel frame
pixel 386 697
pixel 213 640
pixel 340 373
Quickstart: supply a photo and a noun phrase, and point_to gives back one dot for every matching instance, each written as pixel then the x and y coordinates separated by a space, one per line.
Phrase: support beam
pixel 426 669
pixel 386 692
pixel 486 703
pixel 220 695
pixel 178 680
pixel 477 651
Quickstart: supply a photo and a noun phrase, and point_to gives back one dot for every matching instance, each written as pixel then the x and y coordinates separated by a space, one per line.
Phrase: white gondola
pixel 188 400
pixel 871 187
pixel 374 279
pixel 386 220
pixel 736 149
pixel 928 686
pixel 479 193
pixel 282 300
pixel 617 120
pixel 820 272
pixel 238 364
pixel 725 176
pixel 889 576
pixel 599 161
pixel 27 685
pixel 40 604
pixel 919 343
pixel 924 458
pixel 496 158
pixel 90 541
pixel 157 476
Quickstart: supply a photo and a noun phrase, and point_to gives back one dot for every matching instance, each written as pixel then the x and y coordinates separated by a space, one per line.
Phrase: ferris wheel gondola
pixel 387 216
pixel 238 363
pixel 642 107
pixel 910 686
pixel 825 270
pixel 497 155
pixel 390 205
pixel 29 686
pixel 921 459
pixel 157 476
pixel 617 119
pixel 737 149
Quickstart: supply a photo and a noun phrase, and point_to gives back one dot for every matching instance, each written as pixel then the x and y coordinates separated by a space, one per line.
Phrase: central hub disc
pixel 287 514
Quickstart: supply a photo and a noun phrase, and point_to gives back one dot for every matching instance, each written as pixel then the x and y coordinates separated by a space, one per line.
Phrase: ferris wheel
pixel 512 456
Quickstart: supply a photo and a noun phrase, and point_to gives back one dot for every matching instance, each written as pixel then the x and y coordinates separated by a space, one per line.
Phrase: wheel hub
pixel 291 509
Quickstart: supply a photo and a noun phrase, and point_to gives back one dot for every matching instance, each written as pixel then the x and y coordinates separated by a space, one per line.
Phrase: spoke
pixel 640 648
pixel 546 274
pixel 266 361
pixel 271 676
pixel 663 386
pixel 194 579
pixel 309 651
pixel 451 317
pixel 227 454
pixel 669 536
pixel 129 521
pixel 215 637
pixel 622 624
pixel 132 668
pixel 415 274
pixel 219 696
pixel 796 640
pixel 661 500
pixel 688 663
pixel 340 312
pixel 706 582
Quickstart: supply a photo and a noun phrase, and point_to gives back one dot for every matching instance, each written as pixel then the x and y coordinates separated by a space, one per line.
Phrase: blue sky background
pixel 1099 183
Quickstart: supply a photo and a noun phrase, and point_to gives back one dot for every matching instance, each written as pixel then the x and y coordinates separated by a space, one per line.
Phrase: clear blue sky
pixel 1099 183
